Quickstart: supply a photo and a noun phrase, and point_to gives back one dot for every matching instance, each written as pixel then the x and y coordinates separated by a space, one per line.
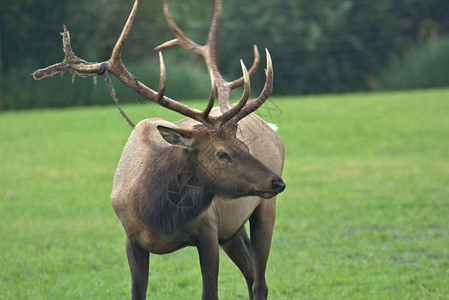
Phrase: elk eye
pixel 223 155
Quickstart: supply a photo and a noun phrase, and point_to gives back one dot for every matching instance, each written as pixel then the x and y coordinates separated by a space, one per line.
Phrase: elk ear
pixel 176 137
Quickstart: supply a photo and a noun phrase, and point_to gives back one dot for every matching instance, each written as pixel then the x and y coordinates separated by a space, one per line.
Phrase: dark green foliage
pixel 28 31
pixel 317 46
pixel 331 46
pixel 422 67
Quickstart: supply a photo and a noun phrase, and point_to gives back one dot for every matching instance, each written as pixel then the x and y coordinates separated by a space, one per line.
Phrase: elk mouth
pixel 265 195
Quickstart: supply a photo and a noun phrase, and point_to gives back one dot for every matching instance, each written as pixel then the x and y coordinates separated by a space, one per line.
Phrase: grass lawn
pixel 365 214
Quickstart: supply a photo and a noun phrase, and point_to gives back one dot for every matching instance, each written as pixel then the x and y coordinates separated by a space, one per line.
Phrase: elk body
pixel 197 181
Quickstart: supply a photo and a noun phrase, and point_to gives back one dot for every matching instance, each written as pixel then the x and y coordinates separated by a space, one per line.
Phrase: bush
pixel 20 91
pixel 422 67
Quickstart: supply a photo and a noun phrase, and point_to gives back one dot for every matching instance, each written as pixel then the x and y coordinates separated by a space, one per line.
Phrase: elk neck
pixel 170 194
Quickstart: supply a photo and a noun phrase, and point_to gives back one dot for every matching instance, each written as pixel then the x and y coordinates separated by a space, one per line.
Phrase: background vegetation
pixel 318 46
pixel 364 215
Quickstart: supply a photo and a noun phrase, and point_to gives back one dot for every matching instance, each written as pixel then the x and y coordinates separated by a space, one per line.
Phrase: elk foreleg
pixel 209 259
pixel 239 251
pixel 261 226
pixel 138 260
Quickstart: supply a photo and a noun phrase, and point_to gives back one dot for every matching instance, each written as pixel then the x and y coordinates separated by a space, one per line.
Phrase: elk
pixel 197 181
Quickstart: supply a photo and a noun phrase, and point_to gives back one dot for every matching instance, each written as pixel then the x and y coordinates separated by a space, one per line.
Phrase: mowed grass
pixel 365 214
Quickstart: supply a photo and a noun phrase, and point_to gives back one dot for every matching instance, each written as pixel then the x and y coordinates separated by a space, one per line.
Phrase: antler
pixel 209 53
pixel 115 66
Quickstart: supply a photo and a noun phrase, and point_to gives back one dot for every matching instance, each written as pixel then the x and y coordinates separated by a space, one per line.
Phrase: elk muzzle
pixel 277 185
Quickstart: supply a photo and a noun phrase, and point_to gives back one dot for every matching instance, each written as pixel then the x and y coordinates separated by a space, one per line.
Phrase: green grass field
pixel 365 214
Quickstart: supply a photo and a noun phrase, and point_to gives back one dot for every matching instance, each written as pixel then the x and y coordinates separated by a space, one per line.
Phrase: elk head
pixel 223 161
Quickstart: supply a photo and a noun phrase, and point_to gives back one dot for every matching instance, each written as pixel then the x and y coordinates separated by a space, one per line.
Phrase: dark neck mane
pixel 169 194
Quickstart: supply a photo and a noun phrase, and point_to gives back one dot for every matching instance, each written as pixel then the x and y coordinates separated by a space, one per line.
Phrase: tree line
pixel 318 46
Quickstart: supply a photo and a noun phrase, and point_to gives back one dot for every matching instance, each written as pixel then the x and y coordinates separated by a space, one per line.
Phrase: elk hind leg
pixel 238 250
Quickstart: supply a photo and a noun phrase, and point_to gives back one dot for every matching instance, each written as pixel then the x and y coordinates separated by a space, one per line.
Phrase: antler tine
pixel 117 51
pixel 181 38
pixel 162 79
pixel 212 40
pixel 71 62
pixel 210 104
pixel 238 82
pixel 238 107
pixel 167 44
pixel 266 91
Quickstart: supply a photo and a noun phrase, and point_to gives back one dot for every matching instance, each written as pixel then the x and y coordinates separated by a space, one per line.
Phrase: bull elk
pixel 197 181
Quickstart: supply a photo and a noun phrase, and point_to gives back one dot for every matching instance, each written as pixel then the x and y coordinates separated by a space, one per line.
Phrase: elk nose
pixel 278 185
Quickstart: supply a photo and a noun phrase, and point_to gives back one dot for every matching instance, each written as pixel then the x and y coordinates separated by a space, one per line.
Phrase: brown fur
pixel 169 193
